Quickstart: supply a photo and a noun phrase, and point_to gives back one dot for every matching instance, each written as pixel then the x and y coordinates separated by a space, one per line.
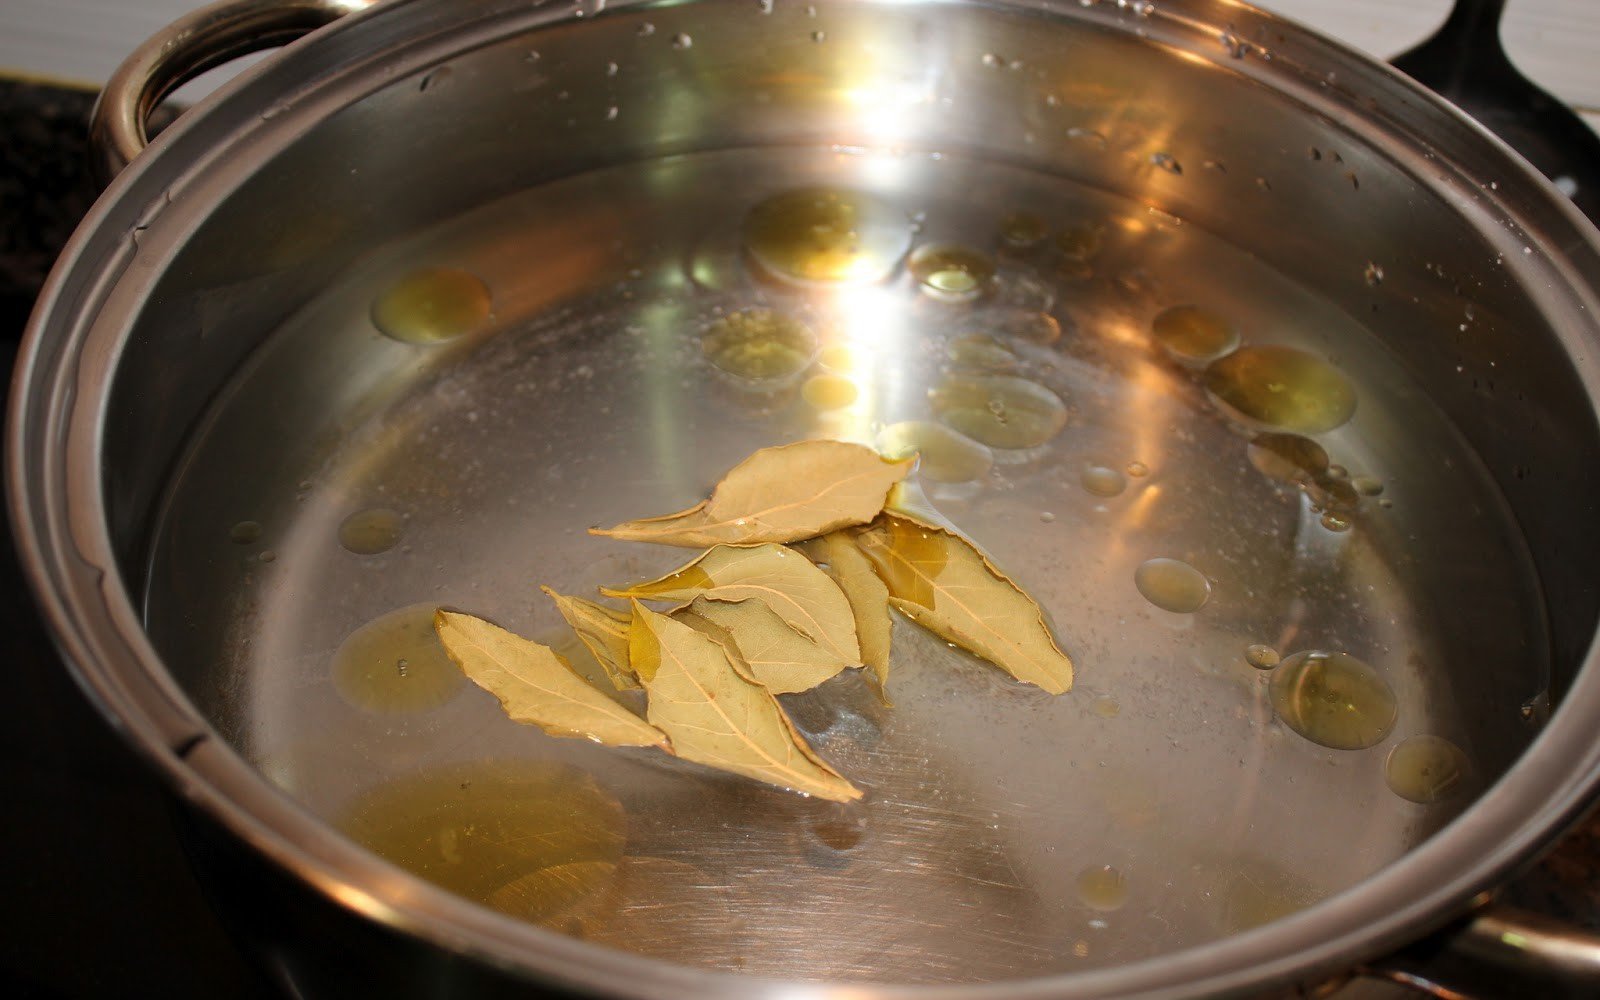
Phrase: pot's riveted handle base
pixel 205 39
pixel 1499 951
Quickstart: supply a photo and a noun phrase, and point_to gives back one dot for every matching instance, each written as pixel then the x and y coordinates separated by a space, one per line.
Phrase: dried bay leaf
pixel 782 579
pixel 782 494
pixel 943 583
pixel 603 630
pixel 779 658
pixel 716 715
pixel 536 686
pixel 866 594
pixel 868 598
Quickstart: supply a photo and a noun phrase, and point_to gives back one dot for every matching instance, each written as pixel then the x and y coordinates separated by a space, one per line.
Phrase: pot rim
pixel 66 550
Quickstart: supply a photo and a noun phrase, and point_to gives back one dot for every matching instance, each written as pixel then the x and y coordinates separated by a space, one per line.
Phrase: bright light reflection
pixel 861 345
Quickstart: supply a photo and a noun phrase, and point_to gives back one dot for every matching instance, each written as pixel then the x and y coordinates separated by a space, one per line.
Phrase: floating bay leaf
pixel 866 594
pixel 715 715
pixel 781 659
pixel 536 686
pixel 909 501
pixel 941 582
pixel 781 494
pixel 603 630
pixel 782 579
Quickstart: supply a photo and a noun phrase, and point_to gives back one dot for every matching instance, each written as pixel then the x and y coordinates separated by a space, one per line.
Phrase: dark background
pixel 96 899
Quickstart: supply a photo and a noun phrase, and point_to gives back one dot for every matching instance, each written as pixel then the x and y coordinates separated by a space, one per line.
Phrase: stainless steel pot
pixel 197 353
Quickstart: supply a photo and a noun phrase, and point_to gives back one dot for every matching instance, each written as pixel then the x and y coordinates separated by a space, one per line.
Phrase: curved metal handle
pixel 182 51
pixel 1499 951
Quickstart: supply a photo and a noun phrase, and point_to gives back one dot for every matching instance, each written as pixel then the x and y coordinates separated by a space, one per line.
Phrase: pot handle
pixel 203 40
pixel 1498 951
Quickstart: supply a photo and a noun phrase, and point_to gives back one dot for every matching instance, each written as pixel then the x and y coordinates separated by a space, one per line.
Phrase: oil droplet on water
pixel 1261 656
pixel 952 273
pixel 369 532
pixel 1288 458
pixel 759 344
pixel 1367 486
pixel 821 236
pixel 981 352
pixel 1335 521
pixel 1172 585
pixel 1001 411
pixel 1425 769
pixel 1022 230
pixel 1138 470
pixel 1333 700
pixel 1103 481
pixel 829 392
pixel 395 663
pixel 840 358
pixel 1031 326
pixel 1194 335
pixel 537 841
pixel 432 305
pixel 1102 887
pixel 245 533
pixel 1079 242
pixel 1282 387
pixel 942 455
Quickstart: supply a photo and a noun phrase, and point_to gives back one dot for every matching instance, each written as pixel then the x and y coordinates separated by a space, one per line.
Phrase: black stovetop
pixel 98 899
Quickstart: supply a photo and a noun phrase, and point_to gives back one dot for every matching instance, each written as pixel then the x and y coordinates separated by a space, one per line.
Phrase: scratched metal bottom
pixel 591 402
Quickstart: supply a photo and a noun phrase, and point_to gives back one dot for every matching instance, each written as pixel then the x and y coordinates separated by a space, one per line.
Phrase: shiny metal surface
pixel 201 41
pixel 214 261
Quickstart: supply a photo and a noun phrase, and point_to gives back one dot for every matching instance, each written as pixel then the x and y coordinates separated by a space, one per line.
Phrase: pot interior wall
pixel 578 165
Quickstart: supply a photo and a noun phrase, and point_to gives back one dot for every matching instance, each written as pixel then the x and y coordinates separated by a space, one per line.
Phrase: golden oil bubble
pixel 1172 585
pixel 1022 231
pixel 829 392
pixel 245 533
pixel 1137 469
pixel 1334 495
pixel 1261 656
pixel 841 358
pixel 1367 486
pixel 1102 480
pixel 943 455
pixel 432 305
pixel 1194 335
pixel 396 664
pixel 1001 411
pixel 1079 243
pixel 535 840
pixel 981 352
pixel 1105 706
pixel 1336 522
pixel 1028 325
pixel 369 532
pixel 826 236
pixel 952 273
pixel 1288 458
pixel 1103 888
pixel 1338 472
pixel 759 344
pixel 1333 700
pixel 1253 893
pixel 1425 769
pixel 1281 387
